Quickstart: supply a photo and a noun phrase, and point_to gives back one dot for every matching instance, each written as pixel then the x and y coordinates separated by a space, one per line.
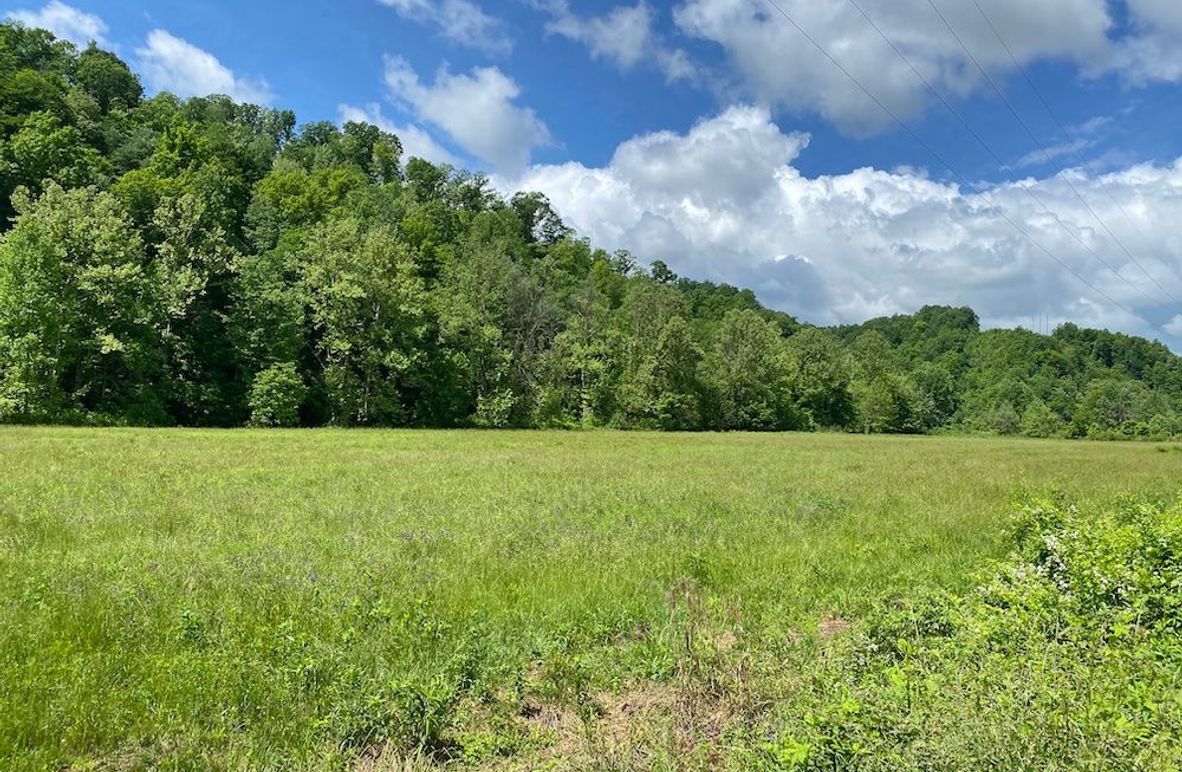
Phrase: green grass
pixel 252 599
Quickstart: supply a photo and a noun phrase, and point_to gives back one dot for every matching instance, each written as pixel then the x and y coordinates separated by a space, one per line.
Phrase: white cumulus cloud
pixel 65 22
pixel 772 62
pixel 724 202
pixel 1154 50
pixel 624 36
pixel 621 36
pixel 460 21
pixel 169 63
pixel 477 110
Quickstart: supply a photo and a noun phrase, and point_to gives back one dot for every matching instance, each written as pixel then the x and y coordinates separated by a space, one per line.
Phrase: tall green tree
pixel 367 312
pixel 79 314
pixel 192 271
pixel 749 374
pixel 664 390
pixel 106 78
pixel 822 378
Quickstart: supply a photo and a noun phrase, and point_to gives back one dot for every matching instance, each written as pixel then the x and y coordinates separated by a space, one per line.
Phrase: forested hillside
pixel 208 263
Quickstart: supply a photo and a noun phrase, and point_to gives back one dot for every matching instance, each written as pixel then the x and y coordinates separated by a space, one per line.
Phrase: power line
pixel 935 154
pixel 1063 130
pixel 1050 159
pixel 989 149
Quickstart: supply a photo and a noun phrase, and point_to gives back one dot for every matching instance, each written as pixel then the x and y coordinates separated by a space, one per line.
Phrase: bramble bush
pixel 1066 657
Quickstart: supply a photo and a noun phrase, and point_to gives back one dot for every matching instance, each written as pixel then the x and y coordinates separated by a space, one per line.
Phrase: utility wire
pixel 939 158
pixel 1047 156
pixel 1063 130
pixel 989 149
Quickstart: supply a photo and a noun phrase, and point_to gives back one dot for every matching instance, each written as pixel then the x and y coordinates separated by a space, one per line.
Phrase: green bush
pixel 1005 419
pixel 1040 421
pixel 495 411
pixel 1165 427
pixel 1067 657
pixel 276 396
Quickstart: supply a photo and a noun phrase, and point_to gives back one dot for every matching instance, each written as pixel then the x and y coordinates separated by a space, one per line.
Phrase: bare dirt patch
pixel 832 626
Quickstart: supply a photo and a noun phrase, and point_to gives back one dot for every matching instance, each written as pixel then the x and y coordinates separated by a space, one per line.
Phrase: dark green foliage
pixel 823 378
pixel 106 78
pixel 665 390
pixel 174 261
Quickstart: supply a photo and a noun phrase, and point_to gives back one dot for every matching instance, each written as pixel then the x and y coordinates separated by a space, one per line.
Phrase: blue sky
pixel 713 135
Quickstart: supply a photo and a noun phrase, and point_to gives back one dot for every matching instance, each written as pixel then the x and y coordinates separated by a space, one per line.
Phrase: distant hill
pixel 208 263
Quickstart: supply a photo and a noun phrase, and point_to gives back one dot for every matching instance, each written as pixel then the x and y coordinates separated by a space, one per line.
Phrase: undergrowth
pixel 1067 656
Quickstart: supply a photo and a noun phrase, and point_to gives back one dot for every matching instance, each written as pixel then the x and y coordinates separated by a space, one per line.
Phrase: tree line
pixel 206 263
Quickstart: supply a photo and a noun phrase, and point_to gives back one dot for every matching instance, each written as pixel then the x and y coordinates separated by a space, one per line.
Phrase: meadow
pixel 326 599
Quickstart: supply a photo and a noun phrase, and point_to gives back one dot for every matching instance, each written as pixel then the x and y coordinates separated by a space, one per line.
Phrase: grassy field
pixel 326 599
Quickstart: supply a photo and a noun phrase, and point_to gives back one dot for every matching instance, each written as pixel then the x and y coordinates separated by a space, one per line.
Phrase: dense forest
pixel 207 263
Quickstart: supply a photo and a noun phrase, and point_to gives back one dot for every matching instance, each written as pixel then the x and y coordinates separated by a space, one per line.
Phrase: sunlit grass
pixel 281 599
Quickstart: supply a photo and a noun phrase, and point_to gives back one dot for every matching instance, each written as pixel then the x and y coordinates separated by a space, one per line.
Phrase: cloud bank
pixel 772 63
pixel 724 202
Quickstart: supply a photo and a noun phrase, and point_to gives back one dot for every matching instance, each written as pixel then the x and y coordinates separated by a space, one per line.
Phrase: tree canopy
pixel 207 263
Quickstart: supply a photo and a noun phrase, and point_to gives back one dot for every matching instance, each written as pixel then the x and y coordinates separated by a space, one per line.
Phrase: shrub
pixel 495 411
pixel 1067 656
pixel 1005 419
pixel 1040 421
pixel 276 396
pixel 1165 426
